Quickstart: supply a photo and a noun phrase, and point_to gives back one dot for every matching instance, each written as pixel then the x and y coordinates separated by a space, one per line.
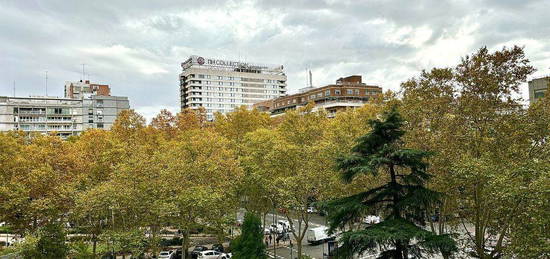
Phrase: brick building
pixel 347 92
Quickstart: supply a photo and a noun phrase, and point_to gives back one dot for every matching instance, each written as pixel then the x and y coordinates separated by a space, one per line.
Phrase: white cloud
pixel 137 46
pixel 141 60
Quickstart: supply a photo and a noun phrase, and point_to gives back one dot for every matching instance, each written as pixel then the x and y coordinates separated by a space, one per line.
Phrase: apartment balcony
pixel 32 112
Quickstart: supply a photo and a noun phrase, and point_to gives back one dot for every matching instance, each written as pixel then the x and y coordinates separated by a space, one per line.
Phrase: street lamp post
pixel 276 228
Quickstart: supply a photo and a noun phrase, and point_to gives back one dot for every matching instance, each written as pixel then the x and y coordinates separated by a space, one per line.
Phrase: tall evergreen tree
pixel 402 201
pixel 249 245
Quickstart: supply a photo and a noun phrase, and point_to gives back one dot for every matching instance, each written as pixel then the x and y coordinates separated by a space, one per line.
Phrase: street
pixel 285 251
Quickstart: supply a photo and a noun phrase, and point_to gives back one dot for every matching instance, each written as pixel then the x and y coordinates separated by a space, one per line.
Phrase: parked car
pixel 166 254
pixel 225 256
pixel 218 247
pixel 311 210
pixel 197 250
pixel 318 235
pixel 208 254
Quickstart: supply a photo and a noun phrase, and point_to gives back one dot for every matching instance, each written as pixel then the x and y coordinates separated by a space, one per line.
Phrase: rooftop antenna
pixel 83 74
pixel 306 78
pixel 46 82
pixel 310 79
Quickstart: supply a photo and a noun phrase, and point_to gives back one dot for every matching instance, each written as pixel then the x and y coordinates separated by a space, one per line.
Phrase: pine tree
pixel 249 245
pixel 402 201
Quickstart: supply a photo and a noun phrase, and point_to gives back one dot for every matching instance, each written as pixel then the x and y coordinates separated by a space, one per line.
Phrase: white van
pixel 318 235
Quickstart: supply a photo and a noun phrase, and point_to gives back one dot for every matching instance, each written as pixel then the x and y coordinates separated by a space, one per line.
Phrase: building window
pixel 319 95
pixel 220 77
pixel 337 92
pixel 100 125
pixel 350 91
pixel 201 76
pixel 356 91
pixel 220 83
pixel 327 93
pixel 540 93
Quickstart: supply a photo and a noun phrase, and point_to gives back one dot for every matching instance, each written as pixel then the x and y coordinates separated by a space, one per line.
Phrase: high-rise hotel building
pixel 221 85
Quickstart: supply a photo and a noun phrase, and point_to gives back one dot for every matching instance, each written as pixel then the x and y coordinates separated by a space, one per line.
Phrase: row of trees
pixel 120 188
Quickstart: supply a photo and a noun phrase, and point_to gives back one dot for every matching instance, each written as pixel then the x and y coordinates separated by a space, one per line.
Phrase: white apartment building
pixel 222 85
pixel 41 115
pixel 81 109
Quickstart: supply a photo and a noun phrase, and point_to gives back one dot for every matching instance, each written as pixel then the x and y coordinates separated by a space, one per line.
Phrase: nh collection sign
pixel 197 60
pixel 227 63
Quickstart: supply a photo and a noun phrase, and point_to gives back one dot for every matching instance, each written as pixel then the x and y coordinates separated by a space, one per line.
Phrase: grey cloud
pixel 136 46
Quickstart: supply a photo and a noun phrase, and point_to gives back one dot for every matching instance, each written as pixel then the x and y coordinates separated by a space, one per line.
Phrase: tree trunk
pixel 399 246
pixel 185 243
pixel 94 245
pixel 154 230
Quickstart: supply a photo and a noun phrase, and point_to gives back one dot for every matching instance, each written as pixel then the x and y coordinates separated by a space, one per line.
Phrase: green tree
pixel 42 189
pixel 48 243
pixel 289 163
pixel 403 200
pixel 491 153
pixel 205 172
pixel 250 243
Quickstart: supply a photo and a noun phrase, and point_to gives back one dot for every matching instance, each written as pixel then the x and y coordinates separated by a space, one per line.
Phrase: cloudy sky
pixel 136 46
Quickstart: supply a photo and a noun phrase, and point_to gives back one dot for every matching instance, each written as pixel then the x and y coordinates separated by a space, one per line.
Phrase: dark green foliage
pixel 250 243
pixel 175 241
pixel 403 200
pixel 48 243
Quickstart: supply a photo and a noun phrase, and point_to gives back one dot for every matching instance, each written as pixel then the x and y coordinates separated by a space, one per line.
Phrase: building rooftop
pixel 231 65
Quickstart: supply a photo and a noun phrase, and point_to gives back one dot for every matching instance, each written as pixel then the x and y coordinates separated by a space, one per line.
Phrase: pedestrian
pixel 278 241
pixel 270 238
pixel 266 242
